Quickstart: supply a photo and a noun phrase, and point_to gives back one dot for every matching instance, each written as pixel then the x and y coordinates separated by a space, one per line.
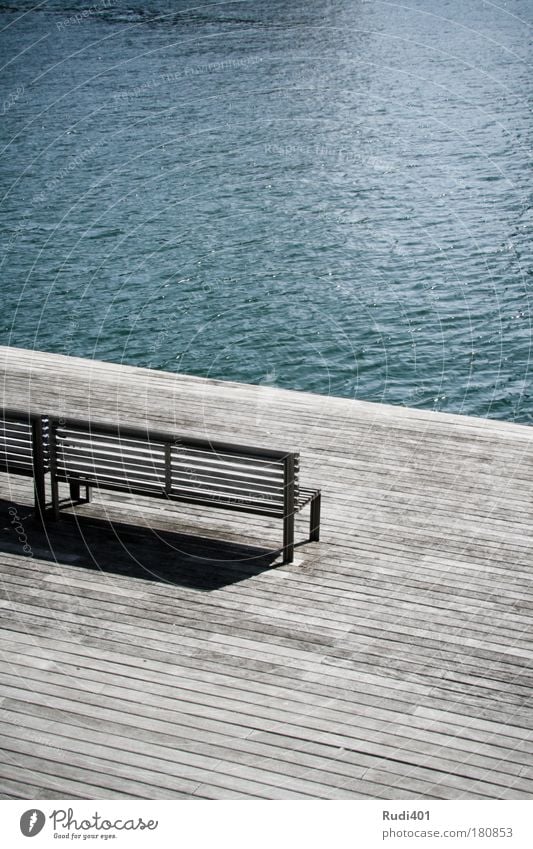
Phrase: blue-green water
pixel 327 196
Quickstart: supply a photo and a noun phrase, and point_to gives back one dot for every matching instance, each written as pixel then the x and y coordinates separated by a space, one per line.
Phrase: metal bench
pixel 24 451
pixel 196 471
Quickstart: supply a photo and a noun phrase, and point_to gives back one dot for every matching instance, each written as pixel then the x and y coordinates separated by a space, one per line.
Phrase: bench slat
pixel 185 496
pixel 15 435
pixel 86 464
pixel 111 459
pixel 15 427
pixel 80 459
pixel 227 457
pixel 180 483
pixel 127 444
pixel 17 448
pixel 220 499
pixel 70 457
pixel 71 460
pixel 16 453
pixel 208 484
pixel 11 433
pixel 16 463
pixel 115 457
pixel 205 478
pixel 237 469
pixel 101 476
pixel 15 442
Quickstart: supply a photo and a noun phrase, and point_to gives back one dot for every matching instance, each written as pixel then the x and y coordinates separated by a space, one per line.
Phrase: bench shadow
pixel 121 548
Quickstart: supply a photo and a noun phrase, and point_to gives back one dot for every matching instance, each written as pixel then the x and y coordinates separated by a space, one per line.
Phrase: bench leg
pixel 75 493
pixel 39 484
pixel 314 524
pixel 88 494
pixel 55 499
pixel 288 538
pixel 39 499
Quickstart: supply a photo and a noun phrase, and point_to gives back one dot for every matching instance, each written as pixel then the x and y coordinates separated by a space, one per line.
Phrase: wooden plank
pixel 125 624
pixel 358 618
pixel 72 782
pixel 338 767
pixel 391 660
pixel 282 636
pixel 265 625
pixel 196 711
pixel 10 789
pixel 235 688
pixel 164 770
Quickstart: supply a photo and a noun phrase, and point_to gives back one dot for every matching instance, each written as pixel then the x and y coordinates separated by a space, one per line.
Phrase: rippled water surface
pixel 327 196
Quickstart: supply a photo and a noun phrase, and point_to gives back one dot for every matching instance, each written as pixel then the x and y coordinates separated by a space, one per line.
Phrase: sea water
pixel 325 196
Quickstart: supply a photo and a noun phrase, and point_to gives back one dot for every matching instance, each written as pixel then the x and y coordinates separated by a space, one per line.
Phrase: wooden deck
pixel 157 651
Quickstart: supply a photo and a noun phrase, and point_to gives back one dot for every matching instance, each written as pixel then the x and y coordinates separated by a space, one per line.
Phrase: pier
pixel 160 651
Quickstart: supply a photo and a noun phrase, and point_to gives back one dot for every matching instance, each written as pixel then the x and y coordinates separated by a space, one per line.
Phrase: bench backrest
pixel 23 441
pixel 194 470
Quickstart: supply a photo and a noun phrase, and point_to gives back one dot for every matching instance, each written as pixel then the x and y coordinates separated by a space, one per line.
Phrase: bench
pixel 195 471
pixel 24 451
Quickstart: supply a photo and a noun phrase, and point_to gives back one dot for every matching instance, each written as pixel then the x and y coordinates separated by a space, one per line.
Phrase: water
pixel 325 196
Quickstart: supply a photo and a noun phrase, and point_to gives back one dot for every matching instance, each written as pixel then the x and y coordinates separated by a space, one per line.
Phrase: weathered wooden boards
pixel 157 652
